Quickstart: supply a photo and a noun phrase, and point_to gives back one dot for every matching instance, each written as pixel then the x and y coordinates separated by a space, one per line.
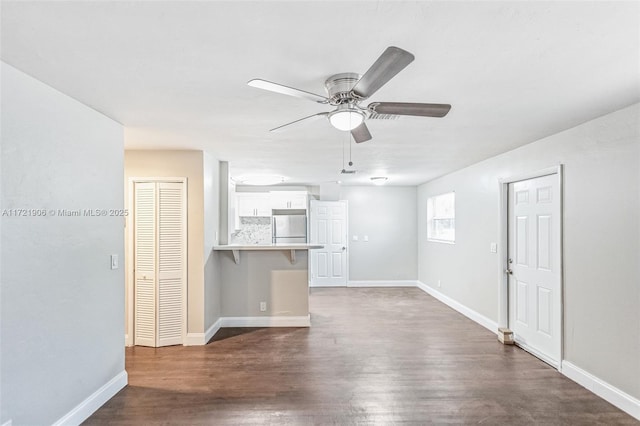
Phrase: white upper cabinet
pixel 283 200
pixel 253 204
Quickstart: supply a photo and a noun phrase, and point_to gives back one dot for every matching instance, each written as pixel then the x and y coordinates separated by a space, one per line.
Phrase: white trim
pixel 531 175
pixel 503 254
pixel 7 423
pixel 487 323
pixel 274 321
pixel 604 390
pixel 128 341
pixel 383 283
pixel 82 411
pixel 325 285
pixel 199 339
pixel 194 339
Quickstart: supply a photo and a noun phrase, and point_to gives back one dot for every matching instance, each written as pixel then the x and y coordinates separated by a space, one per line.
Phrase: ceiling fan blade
pixel 408 108
pixel 303 120
pixel 286 90
pixel 391 62
pixel 361 133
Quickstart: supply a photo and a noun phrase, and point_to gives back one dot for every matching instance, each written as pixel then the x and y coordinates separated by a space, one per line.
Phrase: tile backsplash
pixel 253 230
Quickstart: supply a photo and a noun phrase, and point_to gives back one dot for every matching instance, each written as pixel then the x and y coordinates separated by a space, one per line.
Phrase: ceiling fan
pixel 346 90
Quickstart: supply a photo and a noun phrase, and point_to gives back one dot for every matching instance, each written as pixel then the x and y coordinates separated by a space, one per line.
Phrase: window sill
pixel 431 240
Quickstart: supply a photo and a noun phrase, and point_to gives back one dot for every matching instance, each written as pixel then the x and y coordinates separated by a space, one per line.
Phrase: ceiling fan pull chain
pixel 349 136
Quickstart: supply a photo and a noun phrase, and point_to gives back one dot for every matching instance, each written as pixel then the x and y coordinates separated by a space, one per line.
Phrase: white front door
pixel 329 228
pixel 534 266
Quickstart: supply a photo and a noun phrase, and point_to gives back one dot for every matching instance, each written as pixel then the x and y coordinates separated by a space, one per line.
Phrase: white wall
pixel 62 305
pixel 387 215
pixel 601 237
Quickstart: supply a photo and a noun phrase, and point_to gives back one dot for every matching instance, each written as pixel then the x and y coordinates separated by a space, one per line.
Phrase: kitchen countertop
pixel 237 248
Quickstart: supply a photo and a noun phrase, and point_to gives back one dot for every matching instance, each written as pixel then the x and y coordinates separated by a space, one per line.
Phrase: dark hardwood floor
pixel 372 356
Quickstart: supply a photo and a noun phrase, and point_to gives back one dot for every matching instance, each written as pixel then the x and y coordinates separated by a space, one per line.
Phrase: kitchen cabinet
pixel 286 200
pixel 253 204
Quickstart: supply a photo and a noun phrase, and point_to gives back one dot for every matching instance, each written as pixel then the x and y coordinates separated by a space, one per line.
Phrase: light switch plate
pixel 114 261
pixel 355 238
pixel 366 238
pixel 494 247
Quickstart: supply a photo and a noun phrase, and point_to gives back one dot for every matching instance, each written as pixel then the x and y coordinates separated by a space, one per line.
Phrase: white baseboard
pixel 199 339
pixel 275 321
pixel 383 283
pixel 467 312
pixel 82 411
pixel 326 285
pixel 604 390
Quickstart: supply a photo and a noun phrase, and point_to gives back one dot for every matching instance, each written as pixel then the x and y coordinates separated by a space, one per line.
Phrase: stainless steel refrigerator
pixel 288 229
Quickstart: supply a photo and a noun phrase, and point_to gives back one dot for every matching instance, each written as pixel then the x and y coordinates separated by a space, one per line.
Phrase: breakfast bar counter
pixel 237 248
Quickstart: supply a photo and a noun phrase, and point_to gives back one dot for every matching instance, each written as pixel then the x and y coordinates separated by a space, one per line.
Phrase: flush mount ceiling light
pixel 379 180
pixel 346 118
pixel 259 180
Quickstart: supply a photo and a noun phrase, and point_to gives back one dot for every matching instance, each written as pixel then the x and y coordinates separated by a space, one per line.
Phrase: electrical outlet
pixel 366 238
pixel 355 238
pixel 114 261
pixel 263 306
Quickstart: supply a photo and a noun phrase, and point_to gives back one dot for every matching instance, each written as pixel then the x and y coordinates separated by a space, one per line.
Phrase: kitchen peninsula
pixel 265 285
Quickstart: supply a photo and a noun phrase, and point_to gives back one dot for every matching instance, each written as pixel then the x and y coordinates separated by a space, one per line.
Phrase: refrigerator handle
pixel 273 230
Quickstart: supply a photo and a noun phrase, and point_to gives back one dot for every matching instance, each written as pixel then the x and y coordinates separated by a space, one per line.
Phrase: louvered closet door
pixel 145 264
pixel 160 262
pixel 170 262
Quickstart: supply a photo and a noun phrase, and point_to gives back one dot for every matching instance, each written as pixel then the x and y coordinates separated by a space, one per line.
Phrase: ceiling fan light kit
pixel 346 90
pixel 346 118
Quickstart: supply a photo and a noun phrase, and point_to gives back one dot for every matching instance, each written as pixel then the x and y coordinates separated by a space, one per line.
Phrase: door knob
pixel 344 248
pixel 508 271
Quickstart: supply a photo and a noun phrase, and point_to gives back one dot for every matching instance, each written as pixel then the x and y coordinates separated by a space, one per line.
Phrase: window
pixel 441 218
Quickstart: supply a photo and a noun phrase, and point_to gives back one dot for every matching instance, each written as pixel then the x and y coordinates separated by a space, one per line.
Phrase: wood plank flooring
pixel 372 356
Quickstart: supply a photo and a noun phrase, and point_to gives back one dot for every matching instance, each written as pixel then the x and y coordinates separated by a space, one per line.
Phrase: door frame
pixel 503 254
pixel 129 254
pixel 346 243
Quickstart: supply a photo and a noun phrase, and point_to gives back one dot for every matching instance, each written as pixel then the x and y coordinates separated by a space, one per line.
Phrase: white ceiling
pixel 174 74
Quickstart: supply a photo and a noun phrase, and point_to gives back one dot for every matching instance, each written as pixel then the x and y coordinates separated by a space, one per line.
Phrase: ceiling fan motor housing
pixel 339 87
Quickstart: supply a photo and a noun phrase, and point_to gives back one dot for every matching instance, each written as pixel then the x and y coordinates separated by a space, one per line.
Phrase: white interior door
pixel 145 260
pixel 159 263
pixel 329 228
pixel 534 265
pixel 171 262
